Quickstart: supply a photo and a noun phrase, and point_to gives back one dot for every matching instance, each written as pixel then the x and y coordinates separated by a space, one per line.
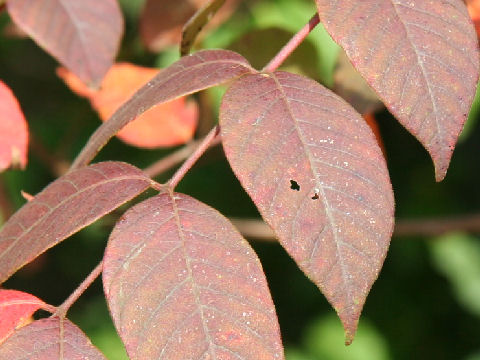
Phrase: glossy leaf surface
pixel 16 307
pixel 181 283
pixel 188 75
pixel 313 168
pixel 83 35
pixel 67 205
pixel 49 339
pixel 13 131
pixel 169 124
pixel 421 57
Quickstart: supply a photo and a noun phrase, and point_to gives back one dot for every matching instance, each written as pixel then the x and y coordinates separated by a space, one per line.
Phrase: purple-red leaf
pixel 67 205
pixel 420 56
pixel 16 307
pixel 313 168
pixel 188 75
pixel 83 35
pixel 181 283
pixel 49 339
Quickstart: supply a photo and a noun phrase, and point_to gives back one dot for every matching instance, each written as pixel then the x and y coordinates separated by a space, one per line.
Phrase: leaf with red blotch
pixel 168 124
pixel 49 339
pixel 421 57
pixel 13 131
pixel 70 203
pixel 188 75
pixel 161 22
pixel 83 35
pixel 473 7
pixel 16 307
pixel 181 283
pixel 314 169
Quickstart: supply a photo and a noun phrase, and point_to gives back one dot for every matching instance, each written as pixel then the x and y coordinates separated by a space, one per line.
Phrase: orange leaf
pixel 13 131
pixel 168 124
pixel 473 7
pixel 16 308
pixel 372 122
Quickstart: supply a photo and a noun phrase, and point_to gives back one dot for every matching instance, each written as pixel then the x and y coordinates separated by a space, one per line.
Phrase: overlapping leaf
pixel 49 339
pixel 314 170
pixel 161 22
pixel 16 307
pixel 420 56
pixel 190 74
pixel 70 203
pixel 169 124
pixel 83 35
pixel 181 283
pixel 13 131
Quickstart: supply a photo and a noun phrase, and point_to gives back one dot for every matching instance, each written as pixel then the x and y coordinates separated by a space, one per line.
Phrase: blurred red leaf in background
pixel 473 7
pixel 168 124
pixel 13 131
pixel 16 308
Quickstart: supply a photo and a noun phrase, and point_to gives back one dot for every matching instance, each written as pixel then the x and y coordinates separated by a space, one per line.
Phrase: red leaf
pixel 161 22
pixel 181 283
pixel 16 307
pixel 313 168
pixel 67 205
pixel 49 339
pixel 190 74
pixel 420 56
pixel 13 131
pixel 169 124
pixel 83 35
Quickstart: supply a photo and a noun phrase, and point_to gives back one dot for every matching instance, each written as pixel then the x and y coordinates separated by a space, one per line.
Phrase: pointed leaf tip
pixel 421 57
pixel 318 177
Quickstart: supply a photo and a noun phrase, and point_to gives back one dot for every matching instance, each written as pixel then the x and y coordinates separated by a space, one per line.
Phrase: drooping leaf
pixel 49 339
pixel 181 283
pixel 13 131
pixel 314 170
pixel 161 22
pixel 196 23
pixel 67 205
pixel 83 35
pixel 169 124
pixel 421 57
pixel 16 307
pixel 188 75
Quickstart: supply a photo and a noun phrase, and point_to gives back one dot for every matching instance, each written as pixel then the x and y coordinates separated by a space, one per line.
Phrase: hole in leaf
pixel 315 196
pixel 294 185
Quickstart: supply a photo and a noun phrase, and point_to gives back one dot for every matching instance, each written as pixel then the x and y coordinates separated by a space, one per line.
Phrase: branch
pixel 199 151
pixel 63 308
pixel 294 42
pixel 257 229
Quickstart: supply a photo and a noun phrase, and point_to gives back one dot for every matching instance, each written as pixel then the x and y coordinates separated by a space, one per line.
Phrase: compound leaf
pixel 313 168
pixel 70 203
pixel 421 57
pixel 16 308
pixel 49 339
pixel 188 75
pixel 181 283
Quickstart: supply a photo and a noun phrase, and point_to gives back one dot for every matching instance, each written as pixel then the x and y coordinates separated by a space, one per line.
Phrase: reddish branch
pixel 294 42
pixel 62 309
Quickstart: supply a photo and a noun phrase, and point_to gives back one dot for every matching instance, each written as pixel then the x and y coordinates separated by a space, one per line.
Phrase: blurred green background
pixel 426 302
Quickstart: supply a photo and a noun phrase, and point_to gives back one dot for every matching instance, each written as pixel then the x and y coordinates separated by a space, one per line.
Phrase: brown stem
pixel 257 229
pixel 294 42
pixel 199 151
pixel 63 308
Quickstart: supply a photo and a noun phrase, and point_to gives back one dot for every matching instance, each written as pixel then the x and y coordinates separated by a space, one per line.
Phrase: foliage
pixel 179 280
